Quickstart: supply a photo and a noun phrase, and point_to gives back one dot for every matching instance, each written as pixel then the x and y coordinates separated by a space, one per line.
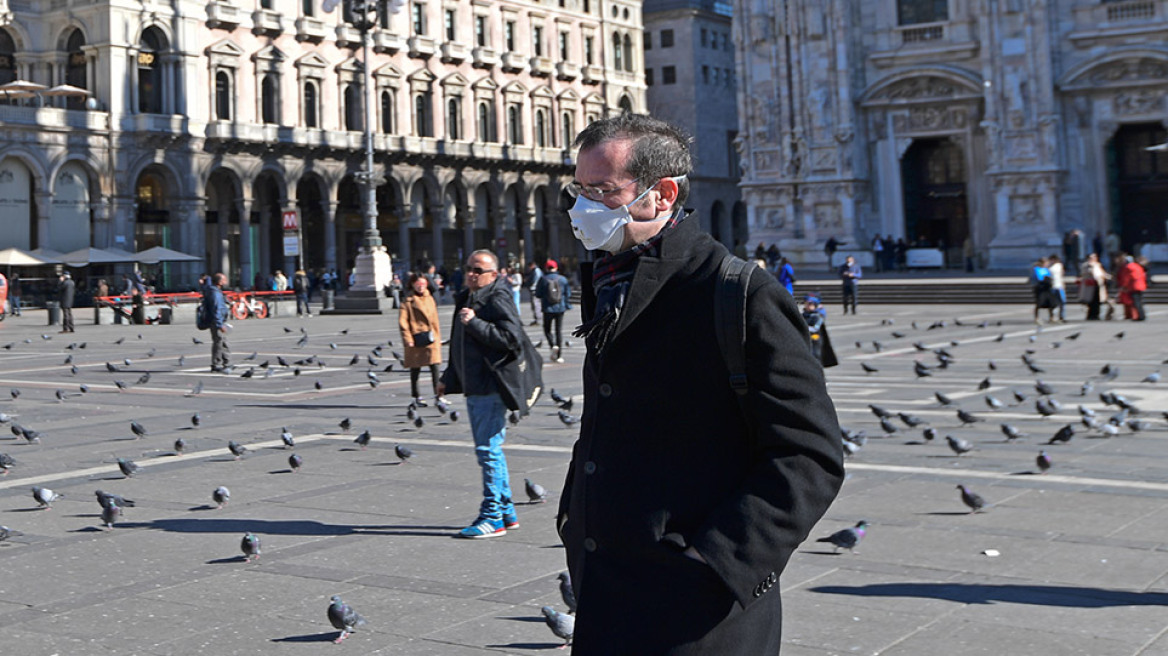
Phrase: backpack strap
pixel 730 318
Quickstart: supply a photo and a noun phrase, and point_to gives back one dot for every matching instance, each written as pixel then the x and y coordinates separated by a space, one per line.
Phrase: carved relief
pixel 993 134
pixel 823 159
pixel 1129 70
pixel 774 218
pixel 765 160
pixel 919 88
pixel 1138 101
pixel 827 216
pixel 1021 146
pixel 1025 209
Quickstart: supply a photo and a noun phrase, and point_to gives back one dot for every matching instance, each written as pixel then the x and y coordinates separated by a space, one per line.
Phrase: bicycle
pixel 249 306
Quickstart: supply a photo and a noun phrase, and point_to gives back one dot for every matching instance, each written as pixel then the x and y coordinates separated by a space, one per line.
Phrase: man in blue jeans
pixel 485 329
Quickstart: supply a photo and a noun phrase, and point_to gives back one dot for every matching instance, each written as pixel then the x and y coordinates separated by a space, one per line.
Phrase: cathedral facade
pixel 1006 122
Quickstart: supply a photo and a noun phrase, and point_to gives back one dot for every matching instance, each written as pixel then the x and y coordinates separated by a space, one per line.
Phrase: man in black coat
pixel 486 328
pixel 683 502
pixel 66 289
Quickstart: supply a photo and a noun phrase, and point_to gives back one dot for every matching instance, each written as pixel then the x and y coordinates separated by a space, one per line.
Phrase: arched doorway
pixel 933 177
pixel 421 226
pixel 310 202
pixel 1138 184
pixel 453 211
pixel 221 225
pixel 483 231
pixel 388 221
pixel 69 220
pixel 267 228
pixel 350 220
pixel 511 248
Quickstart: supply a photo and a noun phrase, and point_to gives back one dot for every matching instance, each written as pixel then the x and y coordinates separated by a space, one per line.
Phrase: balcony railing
pixel 222 15
pixel 1133 10
pixel 453 52
pixel 541 66
pixel 266 21
pixel 514 62
pixel 52 117
pixel 421 46
pixel 922 33
pixel 484 57
pixel 310 29
pixel 567 70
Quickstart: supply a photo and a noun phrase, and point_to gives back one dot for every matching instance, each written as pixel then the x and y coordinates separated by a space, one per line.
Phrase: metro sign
pixel 291 220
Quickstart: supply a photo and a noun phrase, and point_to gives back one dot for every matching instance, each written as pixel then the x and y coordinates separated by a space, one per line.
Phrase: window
pixel 450 25
pixel 265 4
pixel 515 124
pixel 628 47
pixel 568 126
pixel 311 105
pixel 486 122
pixel 668 75
pixel 910 12
pixel 76 68
pixel 509 35
pixel 422 125
pixel 589 50
pixel 648 37
pixel 270 99
pixel 649 77
pixel 541 139
pixel 223 96
pixel 666 38
pixel 419 19
pixel 454 118
pixel 537 41
pixel 481 31
pixel 7 58
pixel 618 57
pixel 388 116
pixel 626 105
pixel 308 7
pixel 587 6
pixel 705 74
pixel 564 46
pixel 705 38
pixel 352 109
pixel 150 78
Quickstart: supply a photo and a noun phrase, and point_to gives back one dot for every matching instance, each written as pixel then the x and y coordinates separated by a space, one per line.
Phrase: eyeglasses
pixel 478 271
pixel 597 194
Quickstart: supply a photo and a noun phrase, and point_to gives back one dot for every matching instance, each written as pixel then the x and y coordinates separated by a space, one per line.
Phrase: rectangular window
pixel 481 31
pixel 419 19
pixel 589 50
pixel 911 12
pixel 648 77
pixel 564 46
pixel 537 41
pixel 666 38
pixel 668 75
pixel 309 7
pixel 450 25
pixel 509 35
pixel 705 74
pixel 648 36
pixel 705 38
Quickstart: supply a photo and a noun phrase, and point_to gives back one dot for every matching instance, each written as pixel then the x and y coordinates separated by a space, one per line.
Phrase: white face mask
pixel 601 228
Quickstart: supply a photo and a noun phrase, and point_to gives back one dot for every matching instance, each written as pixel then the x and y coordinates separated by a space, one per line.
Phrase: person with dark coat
pixel 486 329
pixel 553 292
pixel 817 330
pixel 215 315
pixel 418 322
pixel 683 501
pixel 14 294
pixel 850 274
pixel 66 289
pixel 300 286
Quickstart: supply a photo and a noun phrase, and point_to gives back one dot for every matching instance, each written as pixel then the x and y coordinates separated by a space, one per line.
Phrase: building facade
pixel 936 120
pixel 208 120
pixel 690 77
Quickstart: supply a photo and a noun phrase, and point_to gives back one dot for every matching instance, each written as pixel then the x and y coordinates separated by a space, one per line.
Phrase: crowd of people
pixel 1127 276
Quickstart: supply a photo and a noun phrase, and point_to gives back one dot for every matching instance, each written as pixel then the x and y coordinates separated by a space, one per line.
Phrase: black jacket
pixel 666 460
pixel 65 291
pixel 489 337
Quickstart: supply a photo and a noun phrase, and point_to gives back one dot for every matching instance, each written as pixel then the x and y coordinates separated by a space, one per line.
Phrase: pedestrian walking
pixel 878 253
pixel 213 317
pixel 1058 285
pixel 1042 283
pixel 531 282
pixel 968 252
pixel 1093 285
pixel 15 291
pixel 850 273
pixel 1131 281
pixel 829 249
pixel 486 330
pixel 421 334
pixel 787 275
pixel 279 282
pixel 300 286
pixel 680 509
pixel 66 289
pixel 515 281
pixel 554 294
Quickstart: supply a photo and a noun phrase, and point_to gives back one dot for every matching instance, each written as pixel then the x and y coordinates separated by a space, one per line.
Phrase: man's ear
pixel 667 191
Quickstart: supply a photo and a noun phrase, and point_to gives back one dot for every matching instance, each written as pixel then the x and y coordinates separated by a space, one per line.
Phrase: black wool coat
pixel 666 460
pixel 488 338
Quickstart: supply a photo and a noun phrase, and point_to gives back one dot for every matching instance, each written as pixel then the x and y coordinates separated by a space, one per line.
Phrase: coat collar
pixel 675 259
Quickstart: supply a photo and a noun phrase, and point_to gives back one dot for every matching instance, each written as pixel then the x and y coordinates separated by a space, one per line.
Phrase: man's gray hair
pixel 660 149
pixel 486 253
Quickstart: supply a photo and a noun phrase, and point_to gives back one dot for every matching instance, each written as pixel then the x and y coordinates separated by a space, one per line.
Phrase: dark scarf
pixel 611 279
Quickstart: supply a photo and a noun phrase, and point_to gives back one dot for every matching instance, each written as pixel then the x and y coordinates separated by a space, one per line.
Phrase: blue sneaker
pixel 510 522
pixel 483 528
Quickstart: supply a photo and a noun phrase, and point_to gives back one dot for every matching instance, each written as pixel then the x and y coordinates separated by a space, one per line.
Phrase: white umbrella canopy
pixel 15 257
pixel 66 90
pixel 86 256
pixel 57 257
pixel 160 254
pixel 22 85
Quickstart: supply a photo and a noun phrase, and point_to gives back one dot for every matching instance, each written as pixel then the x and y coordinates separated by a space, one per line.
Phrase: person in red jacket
pixel 1132 280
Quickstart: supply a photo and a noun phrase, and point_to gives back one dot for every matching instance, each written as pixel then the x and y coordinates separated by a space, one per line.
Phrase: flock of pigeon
pixel 1118 416
pixel 113 506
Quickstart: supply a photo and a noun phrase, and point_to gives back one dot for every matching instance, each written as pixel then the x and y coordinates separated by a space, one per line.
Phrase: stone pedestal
pixel 373 272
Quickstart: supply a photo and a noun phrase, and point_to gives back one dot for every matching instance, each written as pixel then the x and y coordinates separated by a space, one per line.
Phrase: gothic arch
pixel 1120 67
pixel 924 84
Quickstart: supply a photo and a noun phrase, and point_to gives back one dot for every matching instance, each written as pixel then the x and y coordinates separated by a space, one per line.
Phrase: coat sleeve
pixel 403 322
pixel 798 460
pixel 497 326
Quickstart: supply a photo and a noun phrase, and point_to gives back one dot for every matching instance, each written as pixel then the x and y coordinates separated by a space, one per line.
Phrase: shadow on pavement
pixel 310 637
pixel 528 645
pixel 286 527
pixel 976 593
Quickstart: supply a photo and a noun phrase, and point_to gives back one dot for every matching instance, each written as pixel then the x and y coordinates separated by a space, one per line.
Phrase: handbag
pixel 425 338
pixel 520 376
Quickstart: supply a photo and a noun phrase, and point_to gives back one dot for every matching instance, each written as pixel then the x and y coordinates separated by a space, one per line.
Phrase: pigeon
pixel 887 426
pixel 868 369
pixel 1120 334
pixel 971 499
pixel 1109 373
pixel 1136 425
pixel 1043 389
pixel 106 499
pixel 318 385
pixel 1085 411
pixel 967 417
pixel 1011 433
pixel 196 340
pixel 6 533
pixel 128 467
pixel 1108 430
pixel 363 439
pixel 566 591
pixel 1086 388
pixel 942 399
pixel 561 624
pixel 1064 434
pixel 84 388
pixel 1043 462
pixel 346 424
pixel 45 497
pixel 991 366
pixel 344 618
pixel 877 345
pixel 879 411
pixel 295 462
pixel 565 418
pixel 930 434
pixel 60 394
pixel 221 496
pixel 897 335
pixel 535 492
pixel 300 343
pixel 1045 408
pixel 984 384
pixel 144 378
pixel 355 360
pixel 30 436
pixel 182 360
pixel 109 515
pixel 5 418
pixel 137 429
pixel 15 393
pixel 411 412
pixel 443 407
pixel 121 385
pixel 847 538
pixel 250 546
pixel 180 445
pixel 1000 337
pixel 513 418
pixel 236 449
pixel 958 445
pixel 993 403
pixel 1019 397
pixel 912 421
pixel 282 362
pixel 6 463
pixel 454 415
pixel 419 422
pixel 922 370
pixel 287 438
pixel 920 346
pixel 404 453
pixel 112 368
pixel 196 419
pixel 196 390
pixel 1153 377
pixel 1118 418
pixel 248 374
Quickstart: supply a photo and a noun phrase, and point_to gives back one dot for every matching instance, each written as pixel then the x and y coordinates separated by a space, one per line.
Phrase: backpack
pixel 201 320
pixel 555 293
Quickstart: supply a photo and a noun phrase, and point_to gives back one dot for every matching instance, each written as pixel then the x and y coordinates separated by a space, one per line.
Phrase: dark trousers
pixel 1093 304
pixel 220 351
pixel 849 296
pixel 67 319
pixel 1137 301
pixel 302 303
pixel 550 320
pixel 416 373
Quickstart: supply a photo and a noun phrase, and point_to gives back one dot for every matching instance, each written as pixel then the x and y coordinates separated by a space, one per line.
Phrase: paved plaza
pixel 1081 564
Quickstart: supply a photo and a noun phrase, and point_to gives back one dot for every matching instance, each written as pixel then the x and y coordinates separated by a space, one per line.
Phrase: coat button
pixel 589 467
pixel 757 593
pixel 605 390
pixel 771 578
pixel 589 544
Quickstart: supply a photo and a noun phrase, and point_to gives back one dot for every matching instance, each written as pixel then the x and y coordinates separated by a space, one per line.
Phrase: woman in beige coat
pixel 1093 287
pixel 420 334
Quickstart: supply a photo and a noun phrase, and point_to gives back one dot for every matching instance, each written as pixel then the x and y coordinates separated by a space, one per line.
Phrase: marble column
pixel 245 264
pixel 330 235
